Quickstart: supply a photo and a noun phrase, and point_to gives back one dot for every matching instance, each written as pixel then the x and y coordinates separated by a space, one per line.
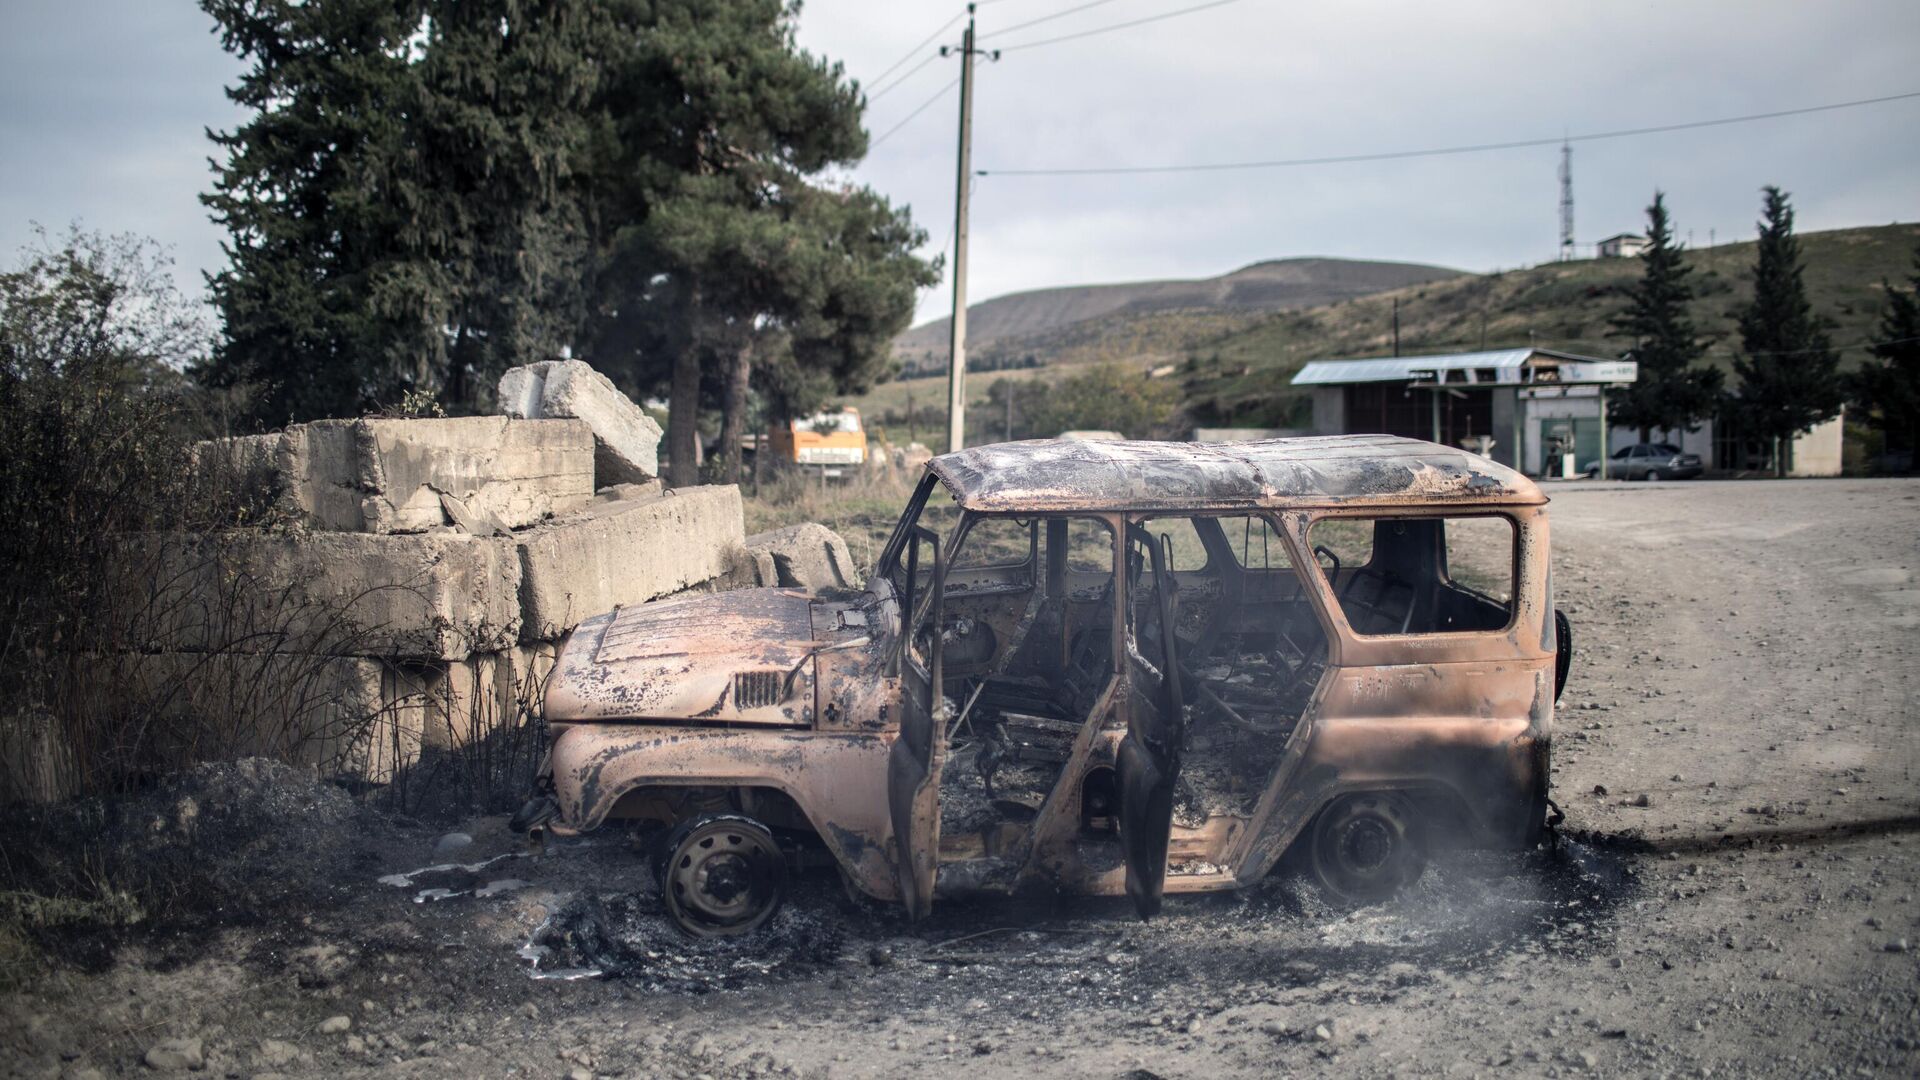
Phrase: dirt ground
pixel 1736 756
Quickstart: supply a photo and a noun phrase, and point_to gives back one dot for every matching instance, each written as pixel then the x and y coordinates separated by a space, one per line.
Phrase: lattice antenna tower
pixel 1566 201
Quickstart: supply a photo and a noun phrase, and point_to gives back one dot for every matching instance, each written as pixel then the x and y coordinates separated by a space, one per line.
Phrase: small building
pixel 1620 246
pixel 1543 402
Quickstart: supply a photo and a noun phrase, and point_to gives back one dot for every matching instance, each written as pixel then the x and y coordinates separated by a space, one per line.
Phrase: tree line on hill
pixel 427 192
pixel 1787 366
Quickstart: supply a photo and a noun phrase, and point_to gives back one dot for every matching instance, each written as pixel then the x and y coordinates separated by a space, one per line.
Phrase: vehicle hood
pixel 739 657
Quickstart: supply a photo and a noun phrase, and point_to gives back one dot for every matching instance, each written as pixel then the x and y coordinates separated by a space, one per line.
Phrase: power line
pixel 1045 19
pixel 1115 26
pixel 877 94
pixel 1476 148
pixel 891 68
pixel 1730 350
pixel 923 107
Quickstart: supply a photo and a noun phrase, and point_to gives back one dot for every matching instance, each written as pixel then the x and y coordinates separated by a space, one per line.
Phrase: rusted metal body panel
pixel 653 697
pixel 837 779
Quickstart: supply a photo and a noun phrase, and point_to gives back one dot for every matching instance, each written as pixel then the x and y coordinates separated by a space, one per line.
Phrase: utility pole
pixel 1396 326
pixel 957 354
pixel 1566 201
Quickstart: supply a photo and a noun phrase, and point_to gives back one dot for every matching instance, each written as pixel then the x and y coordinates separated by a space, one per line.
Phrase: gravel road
pixel 1736 756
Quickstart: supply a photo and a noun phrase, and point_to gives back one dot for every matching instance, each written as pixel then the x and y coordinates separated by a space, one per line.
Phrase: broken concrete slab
pixel 348 716
pixel 626 440
pixel 624 552
pixel 469 700
pixel 806 556
pixel 386 476
pixel 389 475
pixel 442 595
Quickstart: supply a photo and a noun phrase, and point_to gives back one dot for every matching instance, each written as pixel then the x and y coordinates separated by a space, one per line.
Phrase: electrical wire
pixel 1476 148
pixel 911 72
pixel 1042 19
pixel 891 68
pixel 1115 26
pixel 923 107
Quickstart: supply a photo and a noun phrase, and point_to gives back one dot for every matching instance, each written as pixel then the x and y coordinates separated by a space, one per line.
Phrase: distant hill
pixel 1241 374
pixel 1276 285
pixel 1235 364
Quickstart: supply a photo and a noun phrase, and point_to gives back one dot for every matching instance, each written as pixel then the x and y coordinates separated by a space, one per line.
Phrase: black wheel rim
pixel 724 878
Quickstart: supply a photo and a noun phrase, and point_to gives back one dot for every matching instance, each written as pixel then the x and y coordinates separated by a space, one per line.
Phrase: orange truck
pixel 830 440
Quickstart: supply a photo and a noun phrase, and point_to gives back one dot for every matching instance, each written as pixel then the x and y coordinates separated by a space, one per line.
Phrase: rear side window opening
pixel 1420 575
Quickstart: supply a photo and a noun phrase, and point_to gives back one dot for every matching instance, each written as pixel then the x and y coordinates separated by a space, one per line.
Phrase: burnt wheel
pixel 1366 847
pixel 721 875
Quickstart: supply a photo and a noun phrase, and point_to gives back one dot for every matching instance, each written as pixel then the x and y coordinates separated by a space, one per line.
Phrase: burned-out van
pixel 1092 667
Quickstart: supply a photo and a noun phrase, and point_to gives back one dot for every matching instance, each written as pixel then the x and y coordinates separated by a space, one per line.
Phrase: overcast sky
pixel 104 103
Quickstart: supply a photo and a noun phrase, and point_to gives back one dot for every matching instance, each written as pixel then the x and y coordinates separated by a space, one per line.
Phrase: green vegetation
pixel 1672 392
pixel 1789 373
pixel 428 192
pixel 1886 389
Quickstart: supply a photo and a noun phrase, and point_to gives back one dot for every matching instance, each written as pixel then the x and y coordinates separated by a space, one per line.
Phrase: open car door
pixel 917 756
pixel 1149 757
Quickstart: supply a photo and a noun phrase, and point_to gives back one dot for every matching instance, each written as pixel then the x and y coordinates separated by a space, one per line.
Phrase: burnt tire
pixel 721 875
pixel 1366 847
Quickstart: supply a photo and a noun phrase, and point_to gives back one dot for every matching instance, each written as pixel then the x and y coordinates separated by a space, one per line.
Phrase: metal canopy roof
pixel 1507 365
pixel 1054 476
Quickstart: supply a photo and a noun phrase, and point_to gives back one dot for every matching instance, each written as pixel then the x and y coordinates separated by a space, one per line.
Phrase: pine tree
pixel 1887 389
pixel 1672 392
pixel 741 252
pixel 404 205
pixel 1789 373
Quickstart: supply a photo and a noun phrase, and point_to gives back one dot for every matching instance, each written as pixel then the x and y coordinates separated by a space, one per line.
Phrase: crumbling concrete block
pixel 347 716
pixel 626 440
pixel 243 472
pixel 383 476
pixel 442 595
pixel 624 552
pixel 469 700
pixel 386 476
pixel 807 556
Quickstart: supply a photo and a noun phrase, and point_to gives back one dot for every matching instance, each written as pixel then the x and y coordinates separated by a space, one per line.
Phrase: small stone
pixel 1322 1033
pixel 880 956
pixel 577 1073
pixel 336 1025
pixel 1897 945
pixel 355 1045
pixel 176 1055
pixel 1642 800
pixel 275 1054
pixel 1588 1060
pixel 450 843
pixel 1600 790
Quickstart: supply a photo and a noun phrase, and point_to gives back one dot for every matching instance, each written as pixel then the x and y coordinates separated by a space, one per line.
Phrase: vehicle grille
pixel 757 689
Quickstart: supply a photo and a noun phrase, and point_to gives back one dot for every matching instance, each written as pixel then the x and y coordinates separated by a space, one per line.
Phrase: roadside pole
pixel 957 356
pixel 1605 450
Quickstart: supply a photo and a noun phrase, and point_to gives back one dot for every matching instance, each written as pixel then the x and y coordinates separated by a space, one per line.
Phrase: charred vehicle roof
pixel 1052 475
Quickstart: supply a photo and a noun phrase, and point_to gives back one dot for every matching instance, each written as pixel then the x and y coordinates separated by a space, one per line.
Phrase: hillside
pixel 1236 364
pixel 1241 375
pixel 1263 287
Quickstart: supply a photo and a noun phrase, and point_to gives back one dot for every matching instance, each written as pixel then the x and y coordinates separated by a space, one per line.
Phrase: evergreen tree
pixel 741 251
pixel 1672 392
pixel 1788 370
pixel 402 207
pixel 1887 389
